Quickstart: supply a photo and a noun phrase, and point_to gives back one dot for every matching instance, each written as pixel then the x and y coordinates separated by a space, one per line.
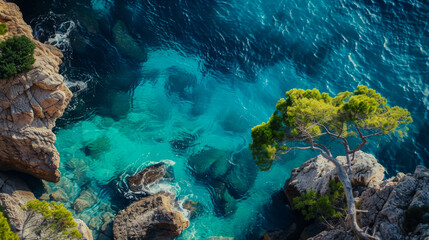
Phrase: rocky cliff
pixel 29 105
pixel 385 205
pixel 15 193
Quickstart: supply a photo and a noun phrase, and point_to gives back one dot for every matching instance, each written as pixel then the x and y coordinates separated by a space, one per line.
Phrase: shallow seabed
pixel 183 82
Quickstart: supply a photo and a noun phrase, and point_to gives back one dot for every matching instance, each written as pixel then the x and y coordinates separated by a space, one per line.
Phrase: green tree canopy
pixel 58 221
pixel 305 116
pixel 16 56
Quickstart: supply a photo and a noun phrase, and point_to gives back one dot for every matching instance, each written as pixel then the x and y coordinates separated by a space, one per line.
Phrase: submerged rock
pixel 59 196
pixel 195 208
pixel 85 200
pixel 224 201
pixel 30 103
pixel 147 176
pixel 230 175
pixel 152 217
pixel 95 223
pixel 97 147
pixel 126 43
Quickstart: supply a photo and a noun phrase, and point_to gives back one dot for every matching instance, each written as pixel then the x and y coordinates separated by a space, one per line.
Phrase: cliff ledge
pixel 29 105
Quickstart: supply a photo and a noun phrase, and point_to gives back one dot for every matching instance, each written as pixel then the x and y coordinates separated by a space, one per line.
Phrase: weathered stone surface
pixel 384 201
pixel 147 176
pixel 316 173
pixel 29 104
pixel 84 230
pixel 85 200
pixel 15 193
pixel 152 217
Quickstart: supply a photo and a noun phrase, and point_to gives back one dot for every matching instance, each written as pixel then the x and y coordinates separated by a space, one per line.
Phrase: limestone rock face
pixel 29 105
pixel 152 217
pixel 316 173
pixel 387 204
pixel 384 201
pixel 14 193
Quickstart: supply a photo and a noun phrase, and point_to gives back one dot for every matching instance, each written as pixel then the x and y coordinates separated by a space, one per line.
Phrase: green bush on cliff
pixel 332 205
pixel 3 29
pixel 58 222
pixel 16 56
pixel 5 232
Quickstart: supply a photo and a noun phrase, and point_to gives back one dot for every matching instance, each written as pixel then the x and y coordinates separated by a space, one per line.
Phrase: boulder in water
pixel 152 217
pixel 147 176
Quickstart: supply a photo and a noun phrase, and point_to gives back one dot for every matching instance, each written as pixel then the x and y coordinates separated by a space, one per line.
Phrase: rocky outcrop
pixel 384 202
pixel 29 105
pixel 15 193
pixel 316 173
pixel 147 176
pixel 152 217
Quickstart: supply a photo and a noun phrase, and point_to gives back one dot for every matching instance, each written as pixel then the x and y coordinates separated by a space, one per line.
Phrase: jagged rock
pixel 420 233
pixel 29 105
pixel 15 193
pixel 152 217
pixel 280 234
pixel 384 201
pixel 85 200
pixel 387 204
pixel 147 176
pixel 316 173
pixel 333 235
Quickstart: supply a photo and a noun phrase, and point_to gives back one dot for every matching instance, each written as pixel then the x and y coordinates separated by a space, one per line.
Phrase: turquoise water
pixel 182 83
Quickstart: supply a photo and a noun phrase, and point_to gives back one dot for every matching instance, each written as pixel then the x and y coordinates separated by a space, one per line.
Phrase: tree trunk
pixel 351 208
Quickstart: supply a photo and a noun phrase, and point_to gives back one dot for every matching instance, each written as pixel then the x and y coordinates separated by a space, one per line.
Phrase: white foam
pixel 61 38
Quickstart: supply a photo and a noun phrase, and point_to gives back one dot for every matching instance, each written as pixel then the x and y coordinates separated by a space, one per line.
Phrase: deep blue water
pixel 184 81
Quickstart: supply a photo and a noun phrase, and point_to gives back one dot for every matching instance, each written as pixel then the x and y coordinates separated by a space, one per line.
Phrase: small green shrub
pixel 58 220
pixel 332 205
pixel 16 56
pixel 414 216
pixel 3 29
pixel 5 232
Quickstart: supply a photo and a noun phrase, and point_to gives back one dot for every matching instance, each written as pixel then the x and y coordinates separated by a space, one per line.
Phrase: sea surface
pixel 183 82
